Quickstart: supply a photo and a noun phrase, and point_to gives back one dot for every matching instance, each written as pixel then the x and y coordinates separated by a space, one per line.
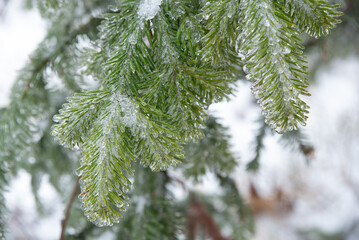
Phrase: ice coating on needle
pixel 149 8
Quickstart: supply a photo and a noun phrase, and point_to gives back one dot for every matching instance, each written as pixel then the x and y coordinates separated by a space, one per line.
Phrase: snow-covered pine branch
pixel 159 65
pixel 164 67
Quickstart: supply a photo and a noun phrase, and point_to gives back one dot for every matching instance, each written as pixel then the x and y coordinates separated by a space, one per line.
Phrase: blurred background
pixel 305 193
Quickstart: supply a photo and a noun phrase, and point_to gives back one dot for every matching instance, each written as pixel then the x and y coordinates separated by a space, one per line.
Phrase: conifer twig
pixel 68 209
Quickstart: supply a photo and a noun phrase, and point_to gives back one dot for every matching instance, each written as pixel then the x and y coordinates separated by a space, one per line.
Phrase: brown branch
pixel 68 209
pixel 198 217
pixel 347 6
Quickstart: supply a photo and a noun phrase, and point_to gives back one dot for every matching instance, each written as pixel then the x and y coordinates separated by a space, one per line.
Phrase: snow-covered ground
pixel 325 193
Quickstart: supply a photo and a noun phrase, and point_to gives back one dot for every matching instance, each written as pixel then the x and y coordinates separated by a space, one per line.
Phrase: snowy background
pixel 324 192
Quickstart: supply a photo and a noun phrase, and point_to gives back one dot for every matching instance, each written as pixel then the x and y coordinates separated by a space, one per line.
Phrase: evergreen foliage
pixel 3 213
pixel 159 65
pixel 210 154
pixel 237 213
pixel 272 52
pixel 3 183
pixel 153 213
pixel 148 104
pixel 159 100
pixel 32 102
pixel 253 165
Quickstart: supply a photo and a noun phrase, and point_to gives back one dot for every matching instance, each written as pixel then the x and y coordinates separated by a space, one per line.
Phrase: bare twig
pixel 68 209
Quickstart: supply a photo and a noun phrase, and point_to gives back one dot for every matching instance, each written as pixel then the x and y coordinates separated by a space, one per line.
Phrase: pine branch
pixel 19 127
pixel 210 154
pixel 159 67
pixel 3 183
pixel 270 46
pixel 3 213
pixel 40 63
pixel 153 213
pixel 147 108
pixel 29 107
pixel 314 17
pixel 298 141
pixel 237 213
pixel 253 165
pixel 221 41
pixel 106 167
pixel 27 116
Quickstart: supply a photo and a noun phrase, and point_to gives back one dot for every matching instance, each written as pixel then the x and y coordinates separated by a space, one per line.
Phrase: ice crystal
pixel 148 9
pixel 128 109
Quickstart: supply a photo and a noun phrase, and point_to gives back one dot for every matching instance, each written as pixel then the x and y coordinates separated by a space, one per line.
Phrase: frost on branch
pixel 156 81
pixel 274 62
pixel 270 48
pixel 148 9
